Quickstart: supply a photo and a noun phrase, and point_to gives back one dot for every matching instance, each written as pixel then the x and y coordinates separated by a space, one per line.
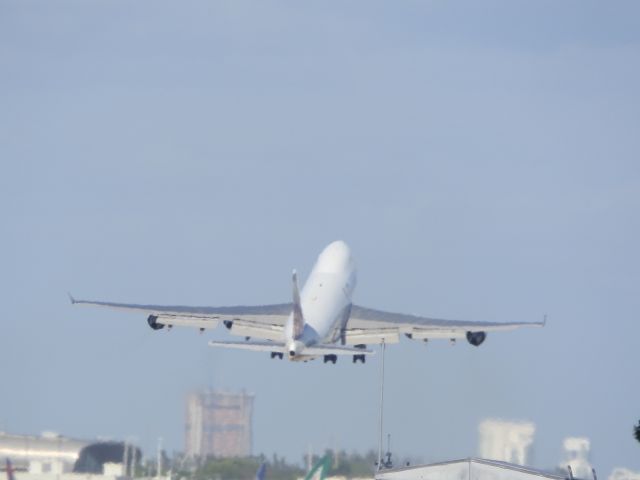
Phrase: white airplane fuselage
pixel 325 300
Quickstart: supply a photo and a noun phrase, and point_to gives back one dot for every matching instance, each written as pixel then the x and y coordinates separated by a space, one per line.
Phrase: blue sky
pixel 480 159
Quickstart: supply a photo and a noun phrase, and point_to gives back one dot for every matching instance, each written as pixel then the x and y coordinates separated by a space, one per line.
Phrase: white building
pixel 621 473
pixel 505 441
pixel 53 457
pixel 576 455
pixel 47 453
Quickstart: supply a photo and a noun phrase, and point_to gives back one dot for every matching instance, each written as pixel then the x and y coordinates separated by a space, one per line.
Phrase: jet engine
pixel 476 338
pixel 153 322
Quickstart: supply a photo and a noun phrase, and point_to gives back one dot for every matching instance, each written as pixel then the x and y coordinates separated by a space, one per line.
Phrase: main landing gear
pixel 360 357
pixel 330 358
pixel 279 355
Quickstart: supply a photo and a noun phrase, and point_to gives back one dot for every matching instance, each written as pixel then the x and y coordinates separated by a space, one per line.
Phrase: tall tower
pixel 218 424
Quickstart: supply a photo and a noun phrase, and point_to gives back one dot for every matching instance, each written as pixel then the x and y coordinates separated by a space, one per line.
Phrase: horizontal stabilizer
pixel 336 350
pixel 255 346
pixel 316 350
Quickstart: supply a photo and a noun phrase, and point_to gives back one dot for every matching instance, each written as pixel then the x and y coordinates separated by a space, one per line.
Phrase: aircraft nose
pixel 335 257
pixel 339 248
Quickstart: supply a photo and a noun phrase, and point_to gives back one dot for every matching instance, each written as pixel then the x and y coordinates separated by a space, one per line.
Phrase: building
pixel 47 453
pixel 468 469
pixel 55 457
pixel 576 455
pixel 621 473
pixel 506 441
pixel 218 424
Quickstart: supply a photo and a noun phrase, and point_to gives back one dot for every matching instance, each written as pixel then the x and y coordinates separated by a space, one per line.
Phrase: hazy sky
pixel 481 158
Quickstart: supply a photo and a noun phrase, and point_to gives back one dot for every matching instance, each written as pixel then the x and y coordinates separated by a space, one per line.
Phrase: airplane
pixel 320 322
pixel 10 475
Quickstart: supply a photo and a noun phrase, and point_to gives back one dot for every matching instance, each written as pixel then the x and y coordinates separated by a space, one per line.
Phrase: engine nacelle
pixel 153 322
pixel 476 338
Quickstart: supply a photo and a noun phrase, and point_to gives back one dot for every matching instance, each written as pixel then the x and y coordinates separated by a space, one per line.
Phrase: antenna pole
pixel 159 459
pixel 381 407
pixel 125 459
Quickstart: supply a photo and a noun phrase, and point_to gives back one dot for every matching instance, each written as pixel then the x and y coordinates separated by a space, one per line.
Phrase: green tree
pixel 352 465
pixel 245 469
pixel 227 469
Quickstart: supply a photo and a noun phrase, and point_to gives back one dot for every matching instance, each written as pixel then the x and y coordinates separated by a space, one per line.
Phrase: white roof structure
pixel 467 469
pixel 56 451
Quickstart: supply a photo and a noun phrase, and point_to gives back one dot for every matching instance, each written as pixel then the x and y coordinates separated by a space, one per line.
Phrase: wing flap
pixel 370 319
pixel 269 328
pixel 358 336
pixel 182 321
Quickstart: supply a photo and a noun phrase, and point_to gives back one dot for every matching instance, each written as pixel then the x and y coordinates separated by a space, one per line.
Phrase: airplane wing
pixel 367 325
pixel 260 321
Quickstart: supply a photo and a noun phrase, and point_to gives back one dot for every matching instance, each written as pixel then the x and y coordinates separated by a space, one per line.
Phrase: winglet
pixel 298 319
pixel 9 469
pixel 73 300
pixel 294 281
pixel 544 320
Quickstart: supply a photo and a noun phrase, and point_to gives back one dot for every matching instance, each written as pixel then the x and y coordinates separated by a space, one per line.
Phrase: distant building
pixel 506 441
pixel 218 424
pixel 576 450
pixel 55 457
pixel 47 453
pixel 621 473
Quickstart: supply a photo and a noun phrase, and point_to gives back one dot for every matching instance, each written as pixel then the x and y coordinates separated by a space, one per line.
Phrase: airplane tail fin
pixel 10 471
pixel 298 319
pixel 320 469
pixel 261 471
